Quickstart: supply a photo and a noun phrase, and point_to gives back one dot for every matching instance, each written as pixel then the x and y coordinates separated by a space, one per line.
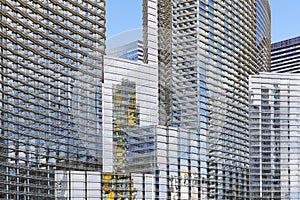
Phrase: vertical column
pixel 165 61
pixel 150 33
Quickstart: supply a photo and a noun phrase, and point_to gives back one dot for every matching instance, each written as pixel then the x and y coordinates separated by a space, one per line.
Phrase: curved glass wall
pixel 214 52
pixel 50 93
pixel 263 35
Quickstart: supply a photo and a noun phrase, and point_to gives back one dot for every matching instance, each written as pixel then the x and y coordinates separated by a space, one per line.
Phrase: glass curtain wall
pixel 274 133
pixel 50 102
pixel 263 35
pixel 214 52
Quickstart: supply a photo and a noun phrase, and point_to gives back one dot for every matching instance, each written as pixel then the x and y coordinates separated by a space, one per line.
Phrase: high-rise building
pixel 286 56
pixel 73 120
pixel 130 51
pixel 127 45
pixel 51 72
pixel 159 158
pixel 263 35
pixel 215 49
pixel 274 135
pixel 130 100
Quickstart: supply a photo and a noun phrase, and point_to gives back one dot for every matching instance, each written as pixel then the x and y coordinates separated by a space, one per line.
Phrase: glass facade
pixel 285 56
pixel 79 125
pixel 79 185
pixel 131 51
pixel 164 164
pixel 165 82
pixel 263 35
pixel 50 81
pixel 274 134
pixel 90 185
pixel 130 99
pixel 214 51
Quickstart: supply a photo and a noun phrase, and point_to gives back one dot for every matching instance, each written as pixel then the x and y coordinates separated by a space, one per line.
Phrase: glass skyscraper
pixel 215 49
pixel 130 51
pixel 285 56
pixel 274 134
pixel 130 100
pixel 263 35
pixel 73 120
pixel 127 45
pixel 51 69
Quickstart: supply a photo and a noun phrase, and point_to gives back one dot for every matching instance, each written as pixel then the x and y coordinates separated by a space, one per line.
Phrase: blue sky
pixel 124 15
pixel 285 19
